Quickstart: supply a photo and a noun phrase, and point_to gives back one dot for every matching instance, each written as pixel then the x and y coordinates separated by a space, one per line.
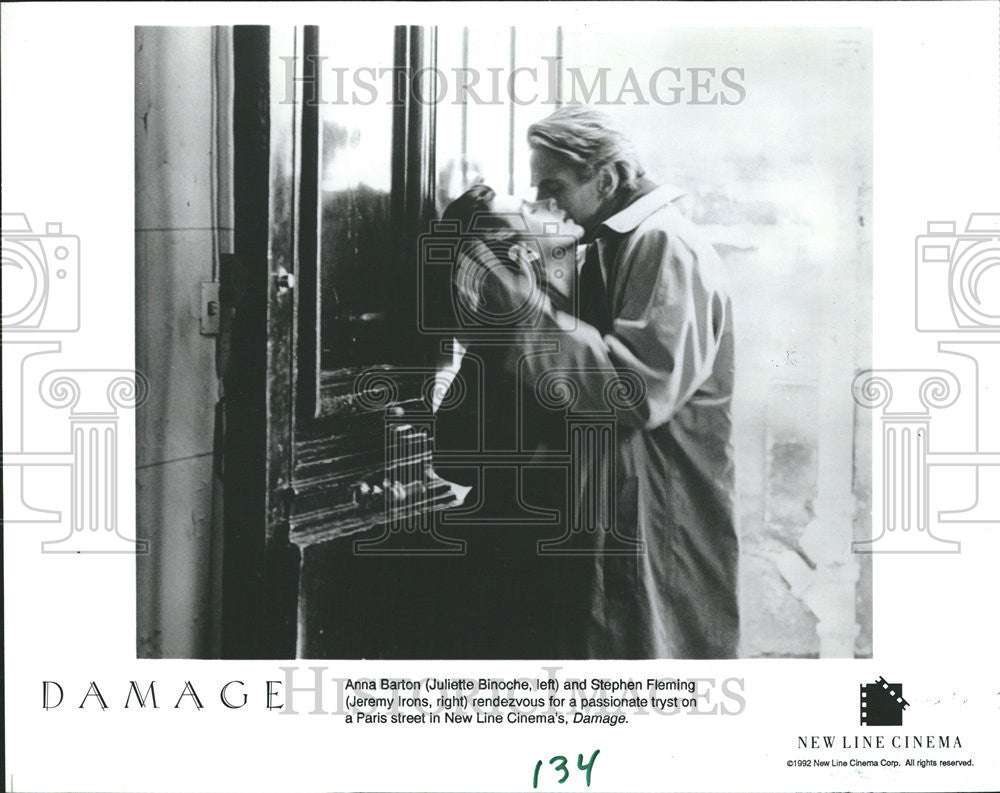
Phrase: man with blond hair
pixel 656 575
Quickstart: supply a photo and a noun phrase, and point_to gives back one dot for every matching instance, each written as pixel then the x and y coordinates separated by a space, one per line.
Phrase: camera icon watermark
pixel 958 276
pixel 603 505
pixel 390 483
pixel 454 267
pixel 906 397
pixel 41 296
pixel 396 488
pixel 957 292
pixel 41 277
pixel 91 459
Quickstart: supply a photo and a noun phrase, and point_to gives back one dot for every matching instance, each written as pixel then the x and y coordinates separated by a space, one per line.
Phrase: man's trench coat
pixel 671 348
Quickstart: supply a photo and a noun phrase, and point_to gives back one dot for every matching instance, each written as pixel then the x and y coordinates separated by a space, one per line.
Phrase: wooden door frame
pixel 260 565
pixel 271 382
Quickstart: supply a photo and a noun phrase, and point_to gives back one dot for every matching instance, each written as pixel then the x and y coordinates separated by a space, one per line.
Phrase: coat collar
pixel 627 220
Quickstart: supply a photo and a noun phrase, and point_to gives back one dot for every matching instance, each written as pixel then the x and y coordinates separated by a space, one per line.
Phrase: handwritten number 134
pixel 559 764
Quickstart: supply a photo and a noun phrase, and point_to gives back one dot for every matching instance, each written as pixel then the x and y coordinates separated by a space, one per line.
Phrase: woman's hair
pixel 473 213
pixel 587 139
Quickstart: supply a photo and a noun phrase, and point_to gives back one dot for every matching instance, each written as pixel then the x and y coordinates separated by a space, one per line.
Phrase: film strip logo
pixel 41 297
pixel 882 704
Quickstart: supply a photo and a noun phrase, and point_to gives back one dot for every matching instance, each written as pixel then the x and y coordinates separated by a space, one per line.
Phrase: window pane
pixel 480 129
pixel 356 252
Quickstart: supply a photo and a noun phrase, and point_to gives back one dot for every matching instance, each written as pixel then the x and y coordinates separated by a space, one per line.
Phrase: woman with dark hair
pixel 492 432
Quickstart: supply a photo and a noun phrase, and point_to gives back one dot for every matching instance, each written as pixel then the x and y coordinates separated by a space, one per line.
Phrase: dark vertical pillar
pixel 245 450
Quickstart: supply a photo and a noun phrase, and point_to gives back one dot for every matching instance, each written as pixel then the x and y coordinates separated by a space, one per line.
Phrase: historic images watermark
pixel 41 300
pixel 410 496
pixel 956 297
pixel 549 82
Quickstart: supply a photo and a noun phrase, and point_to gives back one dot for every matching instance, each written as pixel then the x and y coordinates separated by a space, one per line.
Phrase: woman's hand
pixel 497 293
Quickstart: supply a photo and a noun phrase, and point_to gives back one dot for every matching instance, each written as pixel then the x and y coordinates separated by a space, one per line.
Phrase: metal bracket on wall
pixel 211 311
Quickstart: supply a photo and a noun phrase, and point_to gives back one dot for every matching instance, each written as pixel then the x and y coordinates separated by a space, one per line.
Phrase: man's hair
pixel 587 139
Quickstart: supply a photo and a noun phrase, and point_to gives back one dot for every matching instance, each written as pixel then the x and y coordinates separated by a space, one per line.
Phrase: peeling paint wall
pixel 182 220
pixel 781 183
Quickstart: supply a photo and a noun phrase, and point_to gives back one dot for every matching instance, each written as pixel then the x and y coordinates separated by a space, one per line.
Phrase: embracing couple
pixel 638 325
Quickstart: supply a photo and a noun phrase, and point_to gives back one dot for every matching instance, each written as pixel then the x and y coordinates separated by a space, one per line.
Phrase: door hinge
pixel 282 498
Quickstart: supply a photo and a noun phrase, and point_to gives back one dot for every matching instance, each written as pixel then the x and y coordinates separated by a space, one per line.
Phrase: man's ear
pixel 607 180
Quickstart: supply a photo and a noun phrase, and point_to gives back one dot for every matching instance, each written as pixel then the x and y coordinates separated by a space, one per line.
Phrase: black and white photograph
pixel 513 342
pixel 500 396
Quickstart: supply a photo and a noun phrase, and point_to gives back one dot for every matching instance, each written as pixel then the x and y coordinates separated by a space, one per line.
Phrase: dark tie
pixel 594 308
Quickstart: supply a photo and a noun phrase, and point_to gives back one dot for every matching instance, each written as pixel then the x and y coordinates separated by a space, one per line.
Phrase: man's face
pixel 556 179
pixel 550 239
